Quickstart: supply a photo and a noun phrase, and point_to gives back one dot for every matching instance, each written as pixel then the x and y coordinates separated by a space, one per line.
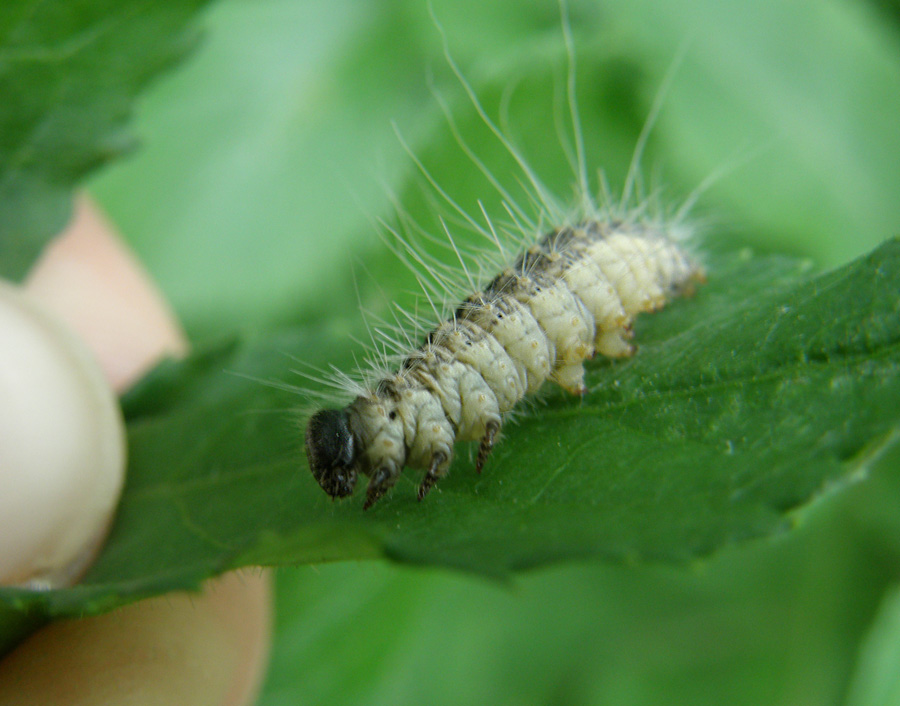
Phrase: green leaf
pixel 771 623
pixel 69 74
pixel 877 680
pixel 768 388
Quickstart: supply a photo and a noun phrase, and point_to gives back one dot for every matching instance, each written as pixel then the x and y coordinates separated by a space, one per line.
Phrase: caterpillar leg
pixel 381 482
pixel 437 469
pixel 570 377
pixel 487 444
pixel 614 343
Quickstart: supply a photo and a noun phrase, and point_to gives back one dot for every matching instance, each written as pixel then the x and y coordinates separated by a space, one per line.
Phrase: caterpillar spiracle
pixel 574 292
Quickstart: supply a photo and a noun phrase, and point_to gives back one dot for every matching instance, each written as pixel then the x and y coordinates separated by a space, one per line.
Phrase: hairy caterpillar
pixel 573 293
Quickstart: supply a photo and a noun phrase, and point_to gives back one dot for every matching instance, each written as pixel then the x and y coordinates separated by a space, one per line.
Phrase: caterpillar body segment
pixel 571 295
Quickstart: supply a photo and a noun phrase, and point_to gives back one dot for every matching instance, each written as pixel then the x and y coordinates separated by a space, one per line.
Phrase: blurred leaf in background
pixel 877 680
pixel 263 168
pixel 61 118
pixel 267 158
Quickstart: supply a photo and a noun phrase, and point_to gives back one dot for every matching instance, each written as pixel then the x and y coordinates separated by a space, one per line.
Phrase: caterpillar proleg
pixel 570 294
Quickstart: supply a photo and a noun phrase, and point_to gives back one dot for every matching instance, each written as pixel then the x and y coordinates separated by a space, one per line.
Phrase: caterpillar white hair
pixel 571 293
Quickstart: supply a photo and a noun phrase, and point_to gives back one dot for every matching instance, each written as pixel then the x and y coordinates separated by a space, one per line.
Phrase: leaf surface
pixel 767 388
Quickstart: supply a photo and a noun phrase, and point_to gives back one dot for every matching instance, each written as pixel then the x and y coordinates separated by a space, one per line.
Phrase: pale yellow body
pixel 575 293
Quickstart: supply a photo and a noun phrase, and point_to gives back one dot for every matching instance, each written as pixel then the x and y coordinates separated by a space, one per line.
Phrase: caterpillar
pixel 573 293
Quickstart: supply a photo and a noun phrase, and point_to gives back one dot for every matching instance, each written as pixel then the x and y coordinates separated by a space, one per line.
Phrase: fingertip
pixel 63 447
pixel 89 278
pixel 207 649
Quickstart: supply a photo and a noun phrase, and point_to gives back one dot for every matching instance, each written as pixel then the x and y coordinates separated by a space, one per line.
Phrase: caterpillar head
pixel 332 451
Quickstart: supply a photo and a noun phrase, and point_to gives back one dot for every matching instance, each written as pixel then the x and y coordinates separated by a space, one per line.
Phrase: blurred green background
pixel 267 160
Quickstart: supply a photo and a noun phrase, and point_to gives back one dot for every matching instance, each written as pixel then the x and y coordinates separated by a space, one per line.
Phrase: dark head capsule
pixel 331 451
